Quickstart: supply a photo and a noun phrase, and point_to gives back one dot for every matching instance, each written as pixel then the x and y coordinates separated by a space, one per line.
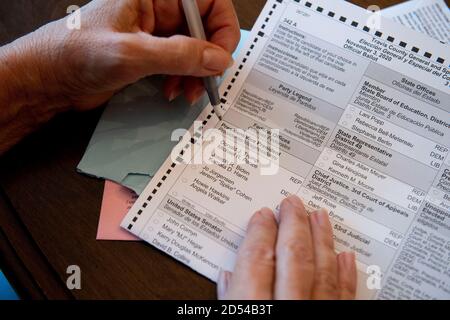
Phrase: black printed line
pixel 377 33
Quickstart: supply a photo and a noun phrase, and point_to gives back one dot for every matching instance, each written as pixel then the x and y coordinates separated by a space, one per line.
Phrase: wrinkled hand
pixel 121 41
pixel 294 259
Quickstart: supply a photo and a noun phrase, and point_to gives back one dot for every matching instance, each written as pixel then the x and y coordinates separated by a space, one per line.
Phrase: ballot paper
pixel 357 116
pixel 431 17
pixel 117 200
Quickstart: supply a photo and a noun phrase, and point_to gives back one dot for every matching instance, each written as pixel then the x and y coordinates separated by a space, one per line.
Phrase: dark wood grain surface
pixel 49 212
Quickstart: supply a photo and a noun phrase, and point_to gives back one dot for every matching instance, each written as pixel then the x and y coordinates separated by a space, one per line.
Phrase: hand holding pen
pixel 222 30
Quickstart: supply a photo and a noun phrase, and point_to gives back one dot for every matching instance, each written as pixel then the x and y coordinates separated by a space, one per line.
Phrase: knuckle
pixel 326 280
pixel 121 46
pixel 185 55
pixel 259 254
pixel 119 51
pixel 298 250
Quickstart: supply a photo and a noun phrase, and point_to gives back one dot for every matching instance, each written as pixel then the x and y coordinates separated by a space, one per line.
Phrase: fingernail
pixel 215 59
pixel 266 213
pixel 175 94
pixel 197 98
pixel 296 199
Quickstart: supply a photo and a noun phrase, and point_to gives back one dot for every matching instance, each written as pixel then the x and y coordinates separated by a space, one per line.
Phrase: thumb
pixel 181 55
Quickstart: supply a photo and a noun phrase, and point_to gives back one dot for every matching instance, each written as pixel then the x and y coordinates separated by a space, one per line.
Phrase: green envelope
pixel 133 136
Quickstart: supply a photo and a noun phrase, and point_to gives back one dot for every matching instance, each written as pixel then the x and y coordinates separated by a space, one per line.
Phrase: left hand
pixel 294 259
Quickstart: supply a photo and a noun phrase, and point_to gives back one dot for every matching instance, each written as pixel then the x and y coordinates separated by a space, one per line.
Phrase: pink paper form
pixel 117 200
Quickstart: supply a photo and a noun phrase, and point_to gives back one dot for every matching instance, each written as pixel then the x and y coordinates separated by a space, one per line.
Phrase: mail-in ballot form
pixel 361 106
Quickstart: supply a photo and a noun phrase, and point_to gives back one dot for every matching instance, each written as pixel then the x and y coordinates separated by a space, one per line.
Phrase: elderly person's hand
pixel 292 260
pixel 119 42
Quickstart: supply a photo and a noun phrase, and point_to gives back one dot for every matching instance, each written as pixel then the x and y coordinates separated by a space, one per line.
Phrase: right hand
pixel 120 42
pixel 292 260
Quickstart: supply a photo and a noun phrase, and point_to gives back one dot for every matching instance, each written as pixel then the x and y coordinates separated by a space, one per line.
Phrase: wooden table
pixel 49 212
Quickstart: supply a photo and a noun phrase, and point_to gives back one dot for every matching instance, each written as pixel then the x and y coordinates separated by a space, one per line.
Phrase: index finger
pixel 222 24
pixel 254 272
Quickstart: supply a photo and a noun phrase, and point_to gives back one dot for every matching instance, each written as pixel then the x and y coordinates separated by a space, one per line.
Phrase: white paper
pixel 363 117
pixel 431 17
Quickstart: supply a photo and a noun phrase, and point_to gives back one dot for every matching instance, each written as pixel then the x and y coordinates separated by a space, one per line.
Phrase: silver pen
pixel 195 24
